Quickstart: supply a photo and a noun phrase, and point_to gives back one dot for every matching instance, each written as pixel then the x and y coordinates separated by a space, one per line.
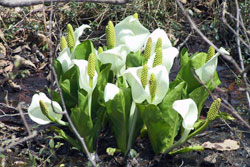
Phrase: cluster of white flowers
pixel 131 36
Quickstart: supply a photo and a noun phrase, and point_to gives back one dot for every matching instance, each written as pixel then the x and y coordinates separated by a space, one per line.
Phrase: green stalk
pixel 200 129
pixel 132 122
pixel 179 142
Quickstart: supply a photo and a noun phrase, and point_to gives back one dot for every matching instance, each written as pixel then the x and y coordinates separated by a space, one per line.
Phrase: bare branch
pixel 32 135
pixel 193 26
pixel 23 118
pixel 18 3
pixel 65 112
pixel 239 51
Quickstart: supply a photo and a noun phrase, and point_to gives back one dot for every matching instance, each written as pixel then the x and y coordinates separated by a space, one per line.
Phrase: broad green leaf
pixel 135 59
pixel 199 95
pixel 198 60
pixel 70 86
pixel 163 122
pixel 83 50
pixel 186 74
pixel 103 78
pixel 69 98
pixel 118 113
pixel 184 57
pixel 187 149
pixel 83 122
pixel 58 68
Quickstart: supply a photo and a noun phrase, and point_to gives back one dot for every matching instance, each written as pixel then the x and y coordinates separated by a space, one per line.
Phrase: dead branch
pixel 65 112
pixel 32 135
pixel 239 51
pixel 194 27
pixel 19 3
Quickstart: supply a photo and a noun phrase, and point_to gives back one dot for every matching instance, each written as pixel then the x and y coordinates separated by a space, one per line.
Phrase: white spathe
pixel 35 113
pixel 160 33
pixel 116 56
pixel 78 32
pixel 110 91
pixel 188 111
pixel 131 33
pixel 65 57
pixel 168 52
pixel 139 94
pixel 206 72
pixel 168 56
pixel 65 60
pixel 84 77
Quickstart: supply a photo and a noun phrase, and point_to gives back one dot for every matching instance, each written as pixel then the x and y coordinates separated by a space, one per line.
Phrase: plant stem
pixel 179 142
pixel 131 126
pixel 199 129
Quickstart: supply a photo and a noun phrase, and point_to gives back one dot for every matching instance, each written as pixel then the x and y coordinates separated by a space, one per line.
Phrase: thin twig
pixel 227 105
pixel 185 41
pixel 239 51
pixel 193 26
pixel 226 23
pixel 79 137
pixel 19 3
pixel 32 135
pixel 23 118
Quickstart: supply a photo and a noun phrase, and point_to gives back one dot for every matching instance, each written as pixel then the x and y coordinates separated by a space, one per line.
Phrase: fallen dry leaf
pixel 23 62
pixel 184 1
pixel 5 66
pixel 227 145
pixel 14 85
pixel 211 158
pixel 2 51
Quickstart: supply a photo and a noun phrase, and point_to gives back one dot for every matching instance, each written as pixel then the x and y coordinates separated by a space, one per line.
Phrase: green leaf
pixel 135 59
pixel 198 60
pixel 162 121
pixel 186 74
pixel 69 98
pixel 70 86
pixel 103 78
pixel 187 149
pixel 83 50
pixel 199 95
pixel 184 57
pixel 111 151
pixel 58 69
pixel 118 111
pixel 51 143
pixel 66 137
pixel 82 120
pixel 225 115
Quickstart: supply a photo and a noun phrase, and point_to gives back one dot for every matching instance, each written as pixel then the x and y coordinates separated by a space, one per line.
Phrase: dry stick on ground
pixel 23 118
pixel 228 58
pixel 18 3
pixel 32 135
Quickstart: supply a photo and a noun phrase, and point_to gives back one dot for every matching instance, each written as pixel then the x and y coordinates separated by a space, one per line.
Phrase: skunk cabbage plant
pixel 126 84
